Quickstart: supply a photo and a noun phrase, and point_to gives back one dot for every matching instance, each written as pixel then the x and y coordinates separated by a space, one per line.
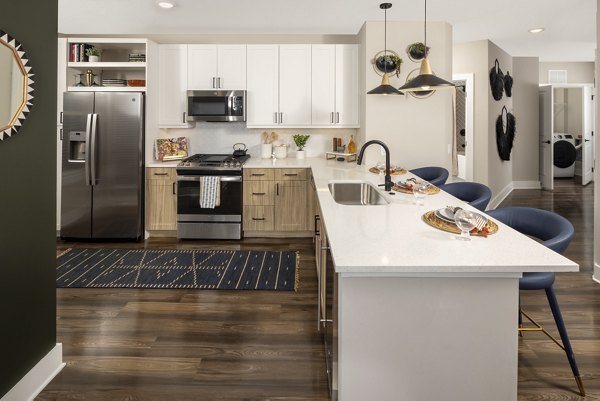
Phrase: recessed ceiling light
pixel 165 4
pixel 536 30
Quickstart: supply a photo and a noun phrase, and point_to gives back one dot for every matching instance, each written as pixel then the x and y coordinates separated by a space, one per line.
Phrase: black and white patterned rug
pixel 210 270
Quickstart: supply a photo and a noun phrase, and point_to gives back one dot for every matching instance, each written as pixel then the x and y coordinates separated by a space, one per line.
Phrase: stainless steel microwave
pixel 216 105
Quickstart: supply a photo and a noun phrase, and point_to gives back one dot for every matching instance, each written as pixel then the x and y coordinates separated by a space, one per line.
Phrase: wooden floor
pixel 180 345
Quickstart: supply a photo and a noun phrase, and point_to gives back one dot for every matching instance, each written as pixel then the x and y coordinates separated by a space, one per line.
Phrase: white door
pixel 323 84
pixel 231 67
pixel 587 162
pixel 172 86
pixel 346 86
pixel 262 69
pixel 202 67
pixel 294 85
pixel 545 135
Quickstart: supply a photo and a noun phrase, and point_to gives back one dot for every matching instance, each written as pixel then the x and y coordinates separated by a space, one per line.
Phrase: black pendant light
pixel 385 88
pixel 426 80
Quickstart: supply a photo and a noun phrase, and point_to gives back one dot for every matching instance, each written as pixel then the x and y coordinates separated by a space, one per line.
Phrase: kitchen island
pixel 418 315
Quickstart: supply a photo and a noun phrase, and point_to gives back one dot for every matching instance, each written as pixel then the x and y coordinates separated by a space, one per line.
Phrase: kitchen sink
pixel 356 193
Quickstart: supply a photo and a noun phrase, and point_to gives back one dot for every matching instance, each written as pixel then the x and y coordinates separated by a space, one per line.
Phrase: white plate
pixel 445 214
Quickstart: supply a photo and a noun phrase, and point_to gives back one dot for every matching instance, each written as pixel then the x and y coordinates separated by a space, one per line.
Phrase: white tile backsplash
pixel 208 137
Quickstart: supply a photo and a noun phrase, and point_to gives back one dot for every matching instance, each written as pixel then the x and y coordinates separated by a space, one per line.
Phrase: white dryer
pixel 565 154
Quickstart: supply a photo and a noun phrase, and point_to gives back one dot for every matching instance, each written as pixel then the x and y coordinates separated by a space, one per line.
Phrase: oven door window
pixel 208 106
pixel 188 199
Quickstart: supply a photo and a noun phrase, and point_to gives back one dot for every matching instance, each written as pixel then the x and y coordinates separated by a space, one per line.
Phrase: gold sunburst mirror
pixel 16 85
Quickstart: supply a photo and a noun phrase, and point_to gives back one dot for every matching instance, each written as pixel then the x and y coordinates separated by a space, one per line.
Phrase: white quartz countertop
pixel 169 164
pixel 394 239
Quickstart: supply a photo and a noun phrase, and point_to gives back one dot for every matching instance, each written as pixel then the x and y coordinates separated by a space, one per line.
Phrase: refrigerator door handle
pixel 88 141
pixel 92 156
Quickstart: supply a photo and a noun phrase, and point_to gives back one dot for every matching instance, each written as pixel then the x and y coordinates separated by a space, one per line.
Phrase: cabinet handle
pixel 219 82
pixel 184 116
pixel 61 134
pixel 337 117
pixel 174 190
pixel 277 186
pixel 317 219
pixel 291 174
pixel 258 219
pixel 257 174
pixel 281 117
pixel 161 173
pixel 326 320
pixel 331 117
pixel 275 117
pixel 61 117
pixel 213 85
pixel 258 193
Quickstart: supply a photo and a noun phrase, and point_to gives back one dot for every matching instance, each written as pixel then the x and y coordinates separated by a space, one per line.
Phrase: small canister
pixel 280 151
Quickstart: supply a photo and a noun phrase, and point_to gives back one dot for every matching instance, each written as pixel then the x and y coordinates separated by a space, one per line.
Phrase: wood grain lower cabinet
pixel 276 202
pixel 161 199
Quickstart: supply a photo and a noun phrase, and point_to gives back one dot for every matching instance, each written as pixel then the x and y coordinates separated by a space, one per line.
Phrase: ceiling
pixel 570 26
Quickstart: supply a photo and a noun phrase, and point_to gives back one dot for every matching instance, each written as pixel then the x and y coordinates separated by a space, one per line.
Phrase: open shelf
pixel 109 64
pixel 106 89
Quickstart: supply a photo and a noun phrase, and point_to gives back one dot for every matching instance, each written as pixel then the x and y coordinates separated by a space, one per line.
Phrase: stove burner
pixel 214 161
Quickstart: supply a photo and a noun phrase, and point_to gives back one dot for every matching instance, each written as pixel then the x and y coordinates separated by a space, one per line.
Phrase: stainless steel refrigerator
pixel 103 165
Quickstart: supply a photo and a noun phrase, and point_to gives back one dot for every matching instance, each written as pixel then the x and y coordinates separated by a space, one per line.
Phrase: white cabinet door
pixel 231 70
pixel 346 86
pixel 172 85
pixel 202 67
pixel 323 84
pixel 262 85
pixel 295 85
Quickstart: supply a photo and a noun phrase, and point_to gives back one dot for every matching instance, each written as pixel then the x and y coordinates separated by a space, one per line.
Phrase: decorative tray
pixel 434 221
pixel 400 171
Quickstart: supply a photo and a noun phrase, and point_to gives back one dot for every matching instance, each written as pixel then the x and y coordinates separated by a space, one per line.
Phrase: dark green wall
pixel 28 202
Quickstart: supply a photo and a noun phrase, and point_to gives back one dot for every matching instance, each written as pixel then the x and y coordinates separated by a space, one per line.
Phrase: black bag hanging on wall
pixel 508 83
pixel 505 138
pixel 496 81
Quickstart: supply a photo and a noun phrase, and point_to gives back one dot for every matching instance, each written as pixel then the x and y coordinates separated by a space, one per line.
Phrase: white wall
pixel 577 72
pixel 417 131
pixel 526 109
pixel 596 173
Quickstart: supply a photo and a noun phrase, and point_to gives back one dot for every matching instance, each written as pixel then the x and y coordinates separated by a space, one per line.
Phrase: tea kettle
pixel 238 151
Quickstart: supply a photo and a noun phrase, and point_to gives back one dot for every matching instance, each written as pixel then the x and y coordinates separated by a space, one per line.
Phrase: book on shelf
pixel 77 52
pixel 166 149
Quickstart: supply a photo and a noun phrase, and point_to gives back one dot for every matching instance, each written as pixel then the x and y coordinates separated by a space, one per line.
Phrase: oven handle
pixel 226 178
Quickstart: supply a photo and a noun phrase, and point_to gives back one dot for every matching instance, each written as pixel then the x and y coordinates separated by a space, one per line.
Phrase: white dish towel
pixel 210 192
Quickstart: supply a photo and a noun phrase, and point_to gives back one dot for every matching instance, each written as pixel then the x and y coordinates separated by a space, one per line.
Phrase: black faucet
pixel 388 178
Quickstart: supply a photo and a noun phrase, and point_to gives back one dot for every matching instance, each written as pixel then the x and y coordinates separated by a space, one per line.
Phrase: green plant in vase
pixel 389 63
pixel 300 141
pixel 417 51
pixel 93 54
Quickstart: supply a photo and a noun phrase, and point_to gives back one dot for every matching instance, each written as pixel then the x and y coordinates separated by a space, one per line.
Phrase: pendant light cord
pixel 385 37
pixel 425 28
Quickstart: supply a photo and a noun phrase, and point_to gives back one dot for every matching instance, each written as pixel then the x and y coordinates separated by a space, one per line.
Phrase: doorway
pixel 464 125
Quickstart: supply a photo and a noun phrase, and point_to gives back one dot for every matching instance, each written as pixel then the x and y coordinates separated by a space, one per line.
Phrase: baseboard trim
pixel 596 275
pixel 497 200
pixel 38 377
pixel 527 185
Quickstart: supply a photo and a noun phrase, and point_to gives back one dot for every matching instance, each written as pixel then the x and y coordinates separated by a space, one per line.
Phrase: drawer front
pixel 290 174
pixel 259 218
pixel 259 193
pixel 161 173
pixel 259 174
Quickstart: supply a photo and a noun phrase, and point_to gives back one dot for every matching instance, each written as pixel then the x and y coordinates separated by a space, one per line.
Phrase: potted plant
pixel 388 62
pixel 417 51
pixel 93 54
pixel 300 141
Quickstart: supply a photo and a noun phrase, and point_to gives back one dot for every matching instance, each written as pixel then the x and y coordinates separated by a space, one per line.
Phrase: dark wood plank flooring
pixel 163 345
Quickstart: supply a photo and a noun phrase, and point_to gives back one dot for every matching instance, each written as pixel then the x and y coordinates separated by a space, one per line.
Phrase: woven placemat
pixel 431 189
pixel 375 170
pixel 434 221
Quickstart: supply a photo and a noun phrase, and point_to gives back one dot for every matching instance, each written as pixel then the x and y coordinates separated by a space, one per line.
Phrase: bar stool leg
pixel 560 324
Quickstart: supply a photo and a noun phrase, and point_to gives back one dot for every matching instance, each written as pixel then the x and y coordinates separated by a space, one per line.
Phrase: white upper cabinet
pixel 263 85
pixel 172 86
pixel 216 67
pixel 294 85
pixel 279 85
pixel 335 85
pixel 346 86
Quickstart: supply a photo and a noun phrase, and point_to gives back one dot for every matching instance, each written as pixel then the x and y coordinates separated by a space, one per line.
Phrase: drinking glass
pixel 465 220
pixel 419 189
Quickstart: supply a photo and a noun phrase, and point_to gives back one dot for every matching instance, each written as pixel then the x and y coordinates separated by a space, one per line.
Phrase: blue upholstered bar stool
pixel 474 193
pixel 556 232
pixel 435 175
